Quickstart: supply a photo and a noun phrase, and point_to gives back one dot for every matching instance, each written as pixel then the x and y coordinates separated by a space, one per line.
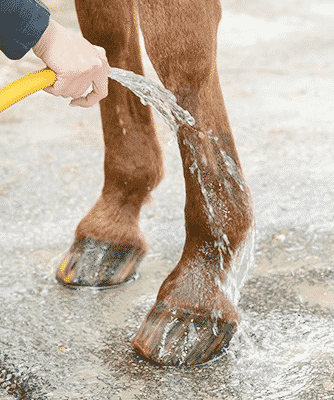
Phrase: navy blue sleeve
pixel 22 23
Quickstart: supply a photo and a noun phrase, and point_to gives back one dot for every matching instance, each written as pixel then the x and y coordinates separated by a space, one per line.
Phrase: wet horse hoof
pixel 181 337
pixel 95 263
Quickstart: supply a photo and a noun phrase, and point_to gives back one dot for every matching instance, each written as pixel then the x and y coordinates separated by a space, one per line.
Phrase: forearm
pixel 79 65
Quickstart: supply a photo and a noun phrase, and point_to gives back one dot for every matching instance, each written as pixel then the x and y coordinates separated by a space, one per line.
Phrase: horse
pixel 195 314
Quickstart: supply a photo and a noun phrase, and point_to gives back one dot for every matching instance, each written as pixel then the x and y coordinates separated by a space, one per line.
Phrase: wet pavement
pixel 276 68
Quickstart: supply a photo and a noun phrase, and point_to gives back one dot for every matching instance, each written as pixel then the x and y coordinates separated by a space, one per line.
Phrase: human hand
pixel 78 65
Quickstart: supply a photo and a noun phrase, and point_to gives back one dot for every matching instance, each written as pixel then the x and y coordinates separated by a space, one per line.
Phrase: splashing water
pixel 242 263
pixel 149 92
pixel 279 355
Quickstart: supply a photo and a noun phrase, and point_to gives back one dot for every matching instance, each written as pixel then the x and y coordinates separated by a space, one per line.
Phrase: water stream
pixel 149 92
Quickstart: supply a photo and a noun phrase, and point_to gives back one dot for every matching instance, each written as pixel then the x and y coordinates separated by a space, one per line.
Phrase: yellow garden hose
pixel 25 86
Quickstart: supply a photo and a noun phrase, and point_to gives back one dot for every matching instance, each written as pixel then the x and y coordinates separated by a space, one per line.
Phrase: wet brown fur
pixel 181 41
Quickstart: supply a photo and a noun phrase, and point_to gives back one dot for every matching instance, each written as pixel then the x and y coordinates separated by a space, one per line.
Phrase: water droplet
pixel 193 167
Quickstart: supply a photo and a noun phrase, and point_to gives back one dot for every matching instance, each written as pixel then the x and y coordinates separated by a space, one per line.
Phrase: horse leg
pixel 108 243
pixel 195 313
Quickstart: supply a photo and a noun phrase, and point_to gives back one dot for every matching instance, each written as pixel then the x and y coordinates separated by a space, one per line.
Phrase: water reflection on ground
pixel 75 344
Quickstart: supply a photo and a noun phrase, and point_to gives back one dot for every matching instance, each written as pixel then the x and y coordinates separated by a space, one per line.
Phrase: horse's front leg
pixel 195 313
pixel 108 243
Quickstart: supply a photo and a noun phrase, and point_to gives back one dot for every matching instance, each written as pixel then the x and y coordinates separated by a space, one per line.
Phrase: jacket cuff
pixel 23 26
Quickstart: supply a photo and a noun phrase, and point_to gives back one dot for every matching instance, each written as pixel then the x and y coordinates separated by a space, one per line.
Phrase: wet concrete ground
pixel 276 68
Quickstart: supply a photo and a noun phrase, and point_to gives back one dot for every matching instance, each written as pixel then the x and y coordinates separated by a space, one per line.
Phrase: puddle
pixel 322 295
pixel 278 355
pixel 77 343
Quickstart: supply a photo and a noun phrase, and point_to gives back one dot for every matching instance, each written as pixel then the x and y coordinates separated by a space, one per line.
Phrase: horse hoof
pixel 181 337
pixel 95 263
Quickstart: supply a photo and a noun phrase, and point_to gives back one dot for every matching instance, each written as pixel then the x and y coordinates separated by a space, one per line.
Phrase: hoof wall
pixel 95 263
pixel 180 337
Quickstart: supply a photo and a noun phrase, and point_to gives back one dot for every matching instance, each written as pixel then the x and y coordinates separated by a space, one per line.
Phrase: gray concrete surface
pixel 276 66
